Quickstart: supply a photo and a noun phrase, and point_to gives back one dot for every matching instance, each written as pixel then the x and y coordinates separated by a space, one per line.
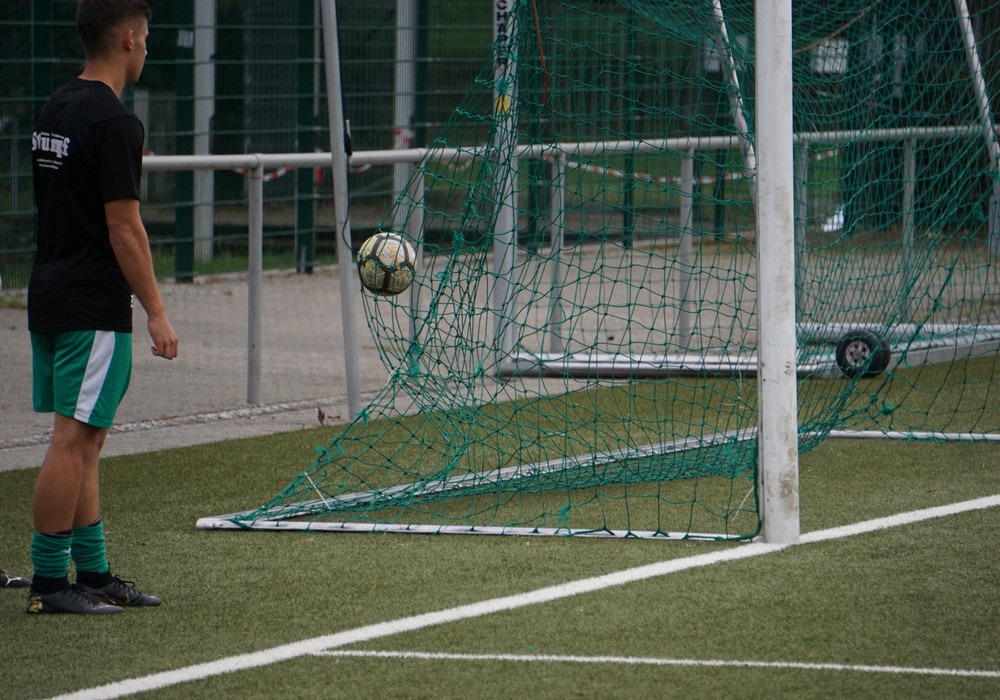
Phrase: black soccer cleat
pixel 12 581
pixel 68 600
pixel 120 592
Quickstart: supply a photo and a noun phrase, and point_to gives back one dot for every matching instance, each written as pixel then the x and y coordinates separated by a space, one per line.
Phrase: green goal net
pixel 578 351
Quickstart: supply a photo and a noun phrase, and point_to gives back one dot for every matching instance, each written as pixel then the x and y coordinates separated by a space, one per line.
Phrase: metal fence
pixel 245 76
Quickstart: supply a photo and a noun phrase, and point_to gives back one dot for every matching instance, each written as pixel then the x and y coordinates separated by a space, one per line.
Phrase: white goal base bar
pixel 281 517
pixel 911 345
pixel 914 435
pixel 220 523
pixel 646 366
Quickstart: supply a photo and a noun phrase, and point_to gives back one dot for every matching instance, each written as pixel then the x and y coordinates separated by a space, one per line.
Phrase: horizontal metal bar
pixel 914 435
pixel 248 161
pixel 418 529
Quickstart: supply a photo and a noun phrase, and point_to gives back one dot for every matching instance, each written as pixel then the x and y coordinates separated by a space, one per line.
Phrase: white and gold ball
pixel 386 264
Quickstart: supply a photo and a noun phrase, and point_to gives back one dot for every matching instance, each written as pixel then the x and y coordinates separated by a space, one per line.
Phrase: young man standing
pixel 93 255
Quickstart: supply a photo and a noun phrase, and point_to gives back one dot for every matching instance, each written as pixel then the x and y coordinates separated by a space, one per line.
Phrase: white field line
pixel 317 645
pixel 653 661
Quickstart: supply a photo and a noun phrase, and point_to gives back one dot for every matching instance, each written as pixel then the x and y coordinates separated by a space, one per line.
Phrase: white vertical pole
pixel 415 231
pixel 255 280
pixel 685 251
pixel 204 109
pixel 985 118
pixel 338 154
pixel 909 228
pixel 777 401
pixel 801 173
pixel 504 229
pixel 405 90
pixel 736 104
pixel 557 207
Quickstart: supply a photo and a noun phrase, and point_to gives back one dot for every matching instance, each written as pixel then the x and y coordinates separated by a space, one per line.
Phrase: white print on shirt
pixel 50 143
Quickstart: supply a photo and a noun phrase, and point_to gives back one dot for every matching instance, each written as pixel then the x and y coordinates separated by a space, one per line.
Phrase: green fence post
pixel 305 229
pixel 628 187
pixel 41 58
pixel 184 181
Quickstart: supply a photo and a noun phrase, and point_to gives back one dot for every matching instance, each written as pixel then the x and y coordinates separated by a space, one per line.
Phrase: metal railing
pixel 256 164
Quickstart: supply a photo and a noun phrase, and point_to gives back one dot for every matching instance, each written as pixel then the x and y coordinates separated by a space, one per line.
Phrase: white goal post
pixel 776 384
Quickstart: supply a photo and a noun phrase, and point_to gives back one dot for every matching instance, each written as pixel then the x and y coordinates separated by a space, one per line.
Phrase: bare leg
pixel 66 492
pixel 66 495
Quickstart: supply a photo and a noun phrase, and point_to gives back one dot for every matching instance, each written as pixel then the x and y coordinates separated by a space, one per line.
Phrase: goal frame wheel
pixel 862 355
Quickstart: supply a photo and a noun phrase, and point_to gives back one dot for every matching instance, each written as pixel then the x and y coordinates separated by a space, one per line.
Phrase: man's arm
pixel 131 246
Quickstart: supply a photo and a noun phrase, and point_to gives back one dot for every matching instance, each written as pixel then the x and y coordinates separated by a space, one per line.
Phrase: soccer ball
pixel 386 264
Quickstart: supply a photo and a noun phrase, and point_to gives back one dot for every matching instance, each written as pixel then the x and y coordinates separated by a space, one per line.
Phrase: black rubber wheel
pixel 862 355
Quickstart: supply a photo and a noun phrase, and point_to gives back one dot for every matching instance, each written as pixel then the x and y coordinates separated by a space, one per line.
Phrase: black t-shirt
pixel 86 151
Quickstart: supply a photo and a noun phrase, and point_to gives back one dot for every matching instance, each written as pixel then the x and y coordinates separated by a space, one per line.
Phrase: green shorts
pixel 81 374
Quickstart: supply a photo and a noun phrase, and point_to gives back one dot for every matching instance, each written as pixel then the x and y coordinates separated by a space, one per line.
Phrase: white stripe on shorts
pixel 93 379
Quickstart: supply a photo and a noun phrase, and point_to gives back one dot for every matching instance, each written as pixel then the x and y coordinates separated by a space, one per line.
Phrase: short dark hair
pixel 97 21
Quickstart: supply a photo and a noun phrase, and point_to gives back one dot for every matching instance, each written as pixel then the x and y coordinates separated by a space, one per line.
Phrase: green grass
pixel 922 595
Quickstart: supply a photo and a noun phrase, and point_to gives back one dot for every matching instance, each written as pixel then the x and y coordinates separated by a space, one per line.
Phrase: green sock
pixel 50 554
pixel 88 548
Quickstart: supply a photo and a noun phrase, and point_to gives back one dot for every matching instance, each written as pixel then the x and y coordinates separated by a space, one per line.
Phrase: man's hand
pixel 165 342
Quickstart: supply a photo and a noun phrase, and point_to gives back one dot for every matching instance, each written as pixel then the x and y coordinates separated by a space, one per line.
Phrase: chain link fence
pixel 240 76
pixel 244 76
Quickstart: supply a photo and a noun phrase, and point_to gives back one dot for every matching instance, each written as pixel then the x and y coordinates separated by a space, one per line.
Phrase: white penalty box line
pixel 655 661
pixel 318 645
